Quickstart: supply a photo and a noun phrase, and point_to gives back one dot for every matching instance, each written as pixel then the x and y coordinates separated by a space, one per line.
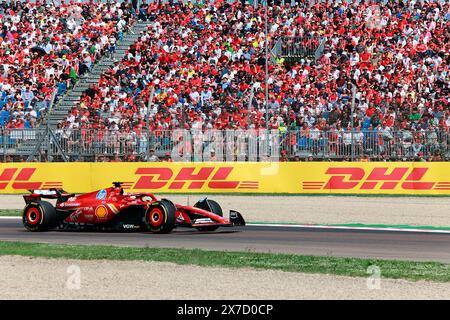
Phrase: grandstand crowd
pixel 201 64
pixel 46 46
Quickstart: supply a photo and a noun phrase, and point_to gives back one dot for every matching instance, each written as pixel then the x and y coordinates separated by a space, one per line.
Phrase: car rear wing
pixel 52 193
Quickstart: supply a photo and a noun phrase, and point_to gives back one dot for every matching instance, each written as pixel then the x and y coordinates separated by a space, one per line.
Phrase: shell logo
pixel 101 212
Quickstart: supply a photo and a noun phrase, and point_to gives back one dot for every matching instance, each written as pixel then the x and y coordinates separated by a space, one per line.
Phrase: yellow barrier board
pixel 408 178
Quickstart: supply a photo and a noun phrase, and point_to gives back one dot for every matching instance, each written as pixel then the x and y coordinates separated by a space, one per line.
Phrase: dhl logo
pixel 187 178
pixel 148 179
pixel 401 177
pixel 19 179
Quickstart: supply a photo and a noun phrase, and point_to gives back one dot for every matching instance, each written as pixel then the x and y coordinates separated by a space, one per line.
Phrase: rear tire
pixel 160 216
pixel 39 216
pixel 214 207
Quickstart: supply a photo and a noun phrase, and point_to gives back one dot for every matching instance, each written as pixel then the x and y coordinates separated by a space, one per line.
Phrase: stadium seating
pixel 47 46
pixel 202 63
pixel 203 60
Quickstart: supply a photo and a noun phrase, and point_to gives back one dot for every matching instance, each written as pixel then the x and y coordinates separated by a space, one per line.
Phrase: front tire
pixel 39 216
pixel 160 216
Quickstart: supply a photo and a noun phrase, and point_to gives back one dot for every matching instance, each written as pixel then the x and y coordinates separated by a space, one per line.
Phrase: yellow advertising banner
pixel 408 178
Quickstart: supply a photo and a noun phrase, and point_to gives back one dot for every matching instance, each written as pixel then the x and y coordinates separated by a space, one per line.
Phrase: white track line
pixel 309 226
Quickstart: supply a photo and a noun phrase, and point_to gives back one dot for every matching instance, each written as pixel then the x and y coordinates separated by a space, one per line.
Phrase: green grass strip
pixel 10 213
pixel 397 226
pixel 360 225
pixel 430 271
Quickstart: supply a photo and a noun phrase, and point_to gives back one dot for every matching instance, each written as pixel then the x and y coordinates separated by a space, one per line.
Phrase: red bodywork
pixel 102 206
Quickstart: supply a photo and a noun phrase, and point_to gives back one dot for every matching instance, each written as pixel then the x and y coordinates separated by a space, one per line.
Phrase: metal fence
pixel 382 145
pixel 221 145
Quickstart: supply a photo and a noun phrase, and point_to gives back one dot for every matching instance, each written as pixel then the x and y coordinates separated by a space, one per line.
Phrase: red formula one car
pixel 114 209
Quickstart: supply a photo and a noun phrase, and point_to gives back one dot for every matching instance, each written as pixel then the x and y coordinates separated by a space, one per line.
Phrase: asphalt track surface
pixel 309 241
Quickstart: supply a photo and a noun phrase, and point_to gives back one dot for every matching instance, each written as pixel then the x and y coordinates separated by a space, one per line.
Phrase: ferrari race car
pixel 115 210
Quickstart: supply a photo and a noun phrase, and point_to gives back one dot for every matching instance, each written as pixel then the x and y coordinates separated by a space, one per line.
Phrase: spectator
pixel 44 46
pixel 213 156
pixel 116 158
pixel 200 65
pixel 167 158
pixel 152 157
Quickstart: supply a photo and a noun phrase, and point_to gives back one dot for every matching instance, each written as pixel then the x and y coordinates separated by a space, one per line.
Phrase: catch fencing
pixel 222 145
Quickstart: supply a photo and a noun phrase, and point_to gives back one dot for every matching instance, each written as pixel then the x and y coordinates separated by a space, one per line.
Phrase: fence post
pixel 249 107
pixel 352 121
pixel 52 102
pixel 4 144
pixel 49 151
pixel 58 146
